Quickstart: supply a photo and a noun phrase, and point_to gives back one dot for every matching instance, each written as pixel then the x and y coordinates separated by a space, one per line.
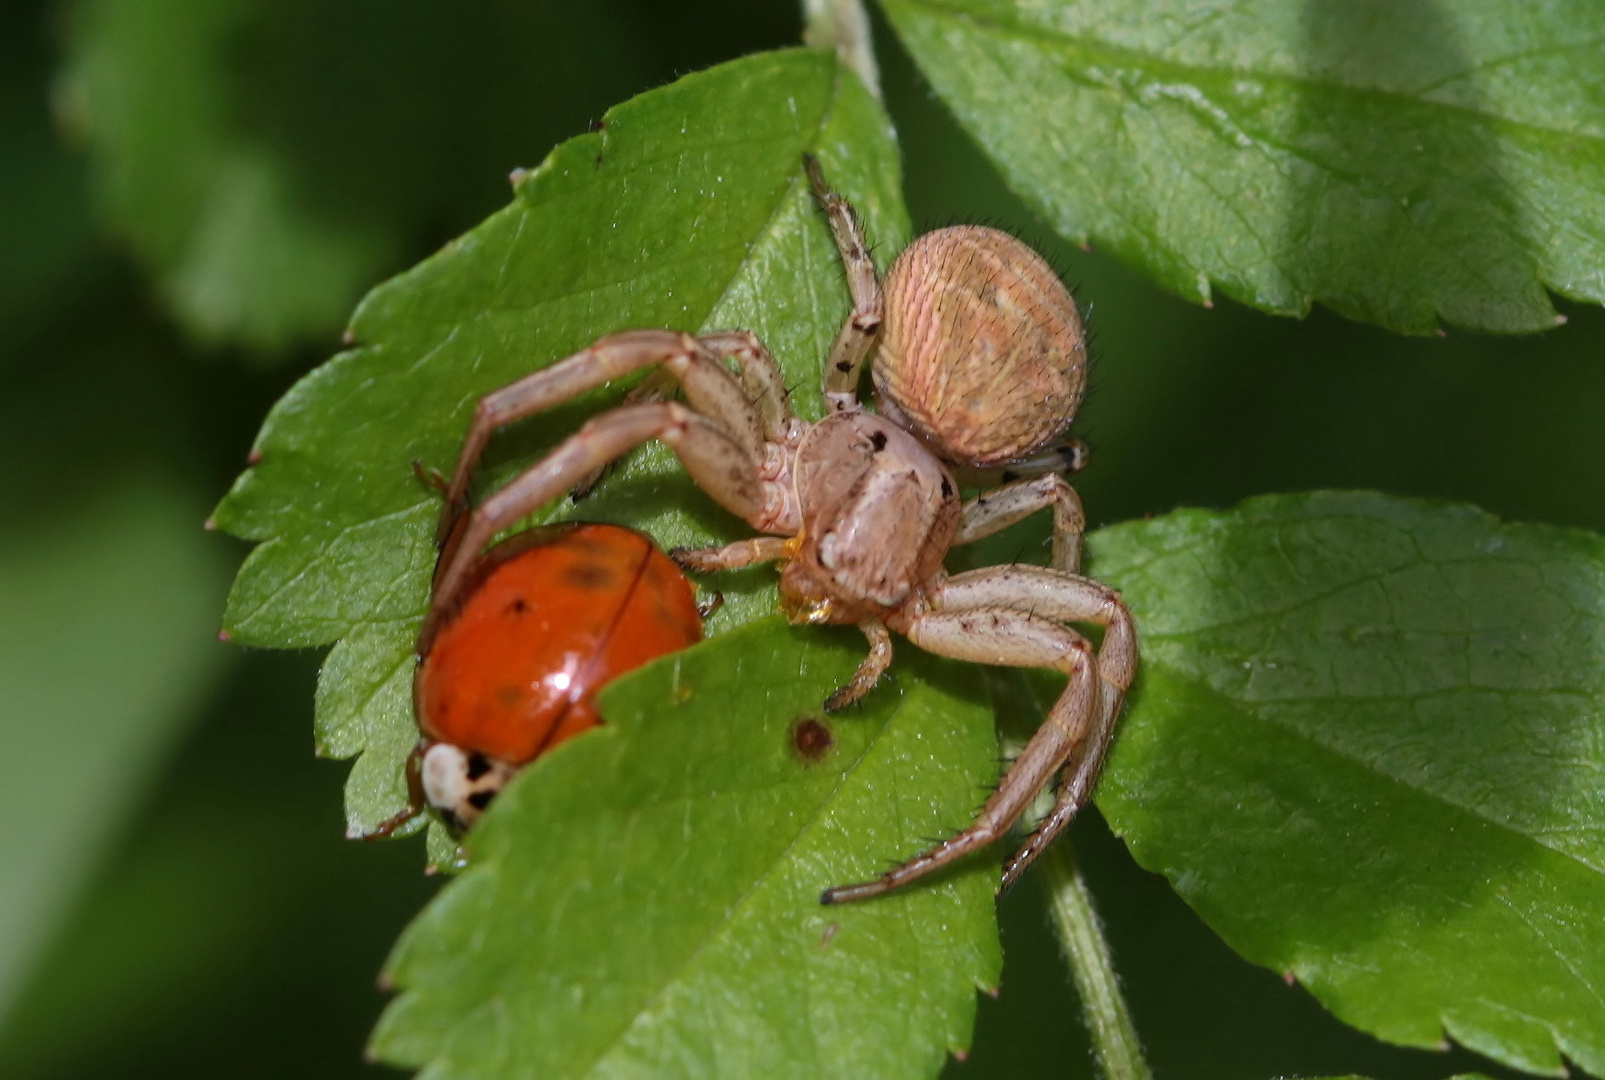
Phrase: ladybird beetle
pixel 513 667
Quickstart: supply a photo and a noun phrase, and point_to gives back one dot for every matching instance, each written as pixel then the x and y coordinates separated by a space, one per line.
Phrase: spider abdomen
pixel 982 354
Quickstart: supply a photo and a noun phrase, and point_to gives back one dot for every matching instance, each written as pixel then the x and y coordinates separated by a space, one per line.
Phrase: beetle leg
pixel 869 672
pixel 413 770
pixel 1001 507
pixel 716 460
pixel 709 387
pixel 1017 639
pixel 857 335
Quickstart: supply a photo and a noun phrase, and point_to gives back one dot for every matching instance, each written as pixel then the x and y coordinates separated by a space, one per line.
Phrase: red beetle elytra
pixel 510 667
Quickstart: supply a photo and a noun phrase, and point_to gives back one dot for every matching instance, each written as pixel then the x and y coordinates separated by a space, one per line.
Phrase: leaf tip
pixel 255 456
pixel 224 636
pixel 1560 320
pixel 209 525
pixel 1289 978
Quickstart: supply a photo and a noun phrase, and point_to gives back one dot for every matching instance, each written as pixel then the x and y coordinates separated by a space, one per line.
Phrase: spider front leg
pixel 709 389
pixel 1014 616
pixel 760 376
pixel 1001 507
pixel 720 463
pixel 857 335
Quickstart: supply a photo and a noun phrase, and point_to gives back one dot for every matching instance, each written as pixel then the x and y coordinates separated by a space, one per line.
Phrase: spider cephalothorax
pixel 981 365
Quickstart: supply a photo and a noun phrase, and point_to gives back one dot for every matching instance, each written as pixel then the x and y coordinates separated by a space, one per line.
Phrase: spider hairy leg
pixel 760 374
pixel 709 388
pixel 1069 598
pixel 858 333
pixel 1001 507
pixel 761 378
pixel 736 556
pixel 869 671
pixel 719 464
pixel 1017 639
pixel 1068 458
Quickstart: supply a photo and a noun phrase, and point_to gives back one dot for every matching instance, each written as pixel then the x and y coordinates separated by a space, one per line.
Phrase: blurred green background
pixel 193 193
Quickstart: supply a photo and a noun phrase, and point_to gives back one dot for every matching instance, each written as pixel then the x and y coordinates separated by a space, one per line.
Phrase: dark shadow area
pixel 234 932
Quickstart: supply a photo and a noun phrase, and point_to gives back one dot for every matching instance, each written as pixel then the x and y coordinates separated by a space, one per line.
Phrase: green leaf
pixel 1367 750
pixel 1400 162
pixel 268 160
pixel 214 212
pixel 688 210
pixel 106 646
pixel 48 229
pixel 645 899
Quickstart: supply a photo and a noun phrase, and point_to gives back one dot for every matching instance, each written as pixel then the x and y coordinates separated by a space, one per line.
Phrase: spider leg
pixel 760 376
pixel 857 335
pixel 1067 598
pixel 1070 456
pixel 869 671
pixel 999 635
pixel 1015 616
pixel 1061 597
pixel 709 388
pixel 1076 782
pixel 736 556
pixel 1001 507
pixel 718 461
pixel 658 386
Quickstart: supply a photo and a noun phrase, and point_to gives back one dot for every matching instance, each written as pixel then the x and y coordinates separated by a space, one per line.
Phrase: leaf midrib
pixel 1151 62
pixel 1242 708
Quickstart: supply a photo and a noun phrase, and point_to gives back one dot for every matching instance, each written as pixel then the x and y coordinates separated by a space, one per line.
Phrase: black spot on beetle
pixel 588 576
pixel 478 765
pixel 481 799
pixel 811 739
pixel 878 441
pixel 844 366
pixel 518 606
pixel 947 489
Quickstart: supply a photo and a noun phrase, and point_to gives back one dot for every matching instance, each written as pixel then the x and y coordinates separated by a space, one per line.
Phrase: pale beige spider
pixel 981 363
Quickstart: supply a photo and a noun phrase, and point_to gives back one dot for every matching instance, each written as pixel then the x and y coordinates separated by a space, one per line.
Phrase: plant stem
pixel 1114 1037
pixel 843 25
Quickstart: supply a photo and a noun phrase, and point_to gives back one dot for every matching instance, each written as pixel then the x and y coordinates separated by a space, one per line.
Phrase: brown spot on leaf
pixel 811 739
